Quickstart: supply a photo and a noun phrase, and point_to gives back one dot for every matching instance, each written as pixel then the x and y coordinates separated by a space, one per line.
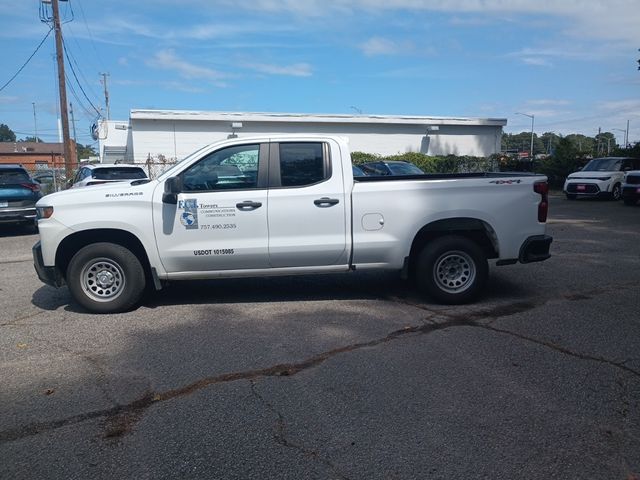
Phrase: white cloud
pixel 168 60
pixel 548 102
pixel 623 106
pixel 8 99
pixel 382 46
pixel 596 19
pixel 181 87
pixel 293 70
pixel 536 61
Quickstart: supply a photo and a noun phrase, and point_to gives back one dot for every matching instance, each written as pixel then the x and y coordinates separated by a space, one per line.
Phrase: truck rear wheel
pixel 106 278
pixel 452 269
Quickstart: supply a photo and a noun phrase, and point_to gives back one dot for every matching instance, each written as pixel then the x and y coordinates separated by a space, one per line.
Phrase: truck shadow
pixel 338 287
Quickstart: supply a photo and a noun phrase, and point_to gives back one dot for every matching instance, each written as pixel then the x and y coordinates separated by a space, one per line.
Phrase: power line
pixel 28 60
pixel 70 52
pixel 64 47
pixel 87 110
pixel 93 43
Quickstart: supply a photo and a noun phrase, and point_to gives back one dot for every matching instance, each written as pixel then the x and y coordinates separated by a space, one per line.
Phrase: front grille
pixel 633 179
pixel 588 188
pixel 13 203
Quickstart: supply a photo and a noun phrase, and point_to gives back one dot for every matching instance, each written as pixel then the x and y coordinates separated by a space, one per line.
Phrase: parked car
pixel 50 180
pixel 96 174
pixel 390 168
pixel 631 187
pixel 18 195
pixel 601 177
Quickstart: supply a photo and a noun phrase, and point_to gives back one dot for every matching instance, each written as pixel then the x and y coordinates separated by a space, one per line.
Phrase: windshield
pixel 603 165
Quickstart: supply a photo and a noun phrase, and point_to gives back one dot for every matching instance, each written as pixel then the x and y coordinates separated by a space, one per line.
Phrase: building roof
pixel 31 148
pixel 311 118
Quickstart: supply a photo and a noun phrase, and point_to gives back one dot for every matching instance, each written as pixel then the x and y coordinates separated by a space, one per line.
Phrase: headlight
pixel 44 212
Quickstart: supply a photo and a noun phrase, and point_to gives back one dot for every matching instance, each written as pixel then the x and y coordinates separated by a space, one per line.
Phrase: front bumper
pixel 631 192
pixel 49 275
pixel 588 188
pixel 12 215
pixel 535 249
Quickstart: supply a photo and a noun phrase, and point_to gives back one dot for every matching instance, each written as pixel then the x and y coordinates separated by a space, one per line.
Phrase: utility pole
pixel 106 94
pixel 35 121
pixel 69 152
pixel 532 117
pixel 73 123
pixel 626 136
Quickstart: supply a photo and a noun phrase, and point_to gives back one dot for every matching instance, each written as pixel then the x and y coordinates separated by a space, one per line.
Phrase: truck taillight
pixel 542 188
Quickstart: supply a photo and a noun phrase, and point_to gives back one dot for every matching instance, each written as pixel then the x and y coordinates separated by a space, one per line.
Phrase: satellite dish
pixel 94 131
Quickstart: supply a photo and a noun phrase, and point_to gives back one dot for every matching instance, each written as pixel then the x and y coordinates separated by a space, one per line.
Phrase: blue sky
pixel 570 63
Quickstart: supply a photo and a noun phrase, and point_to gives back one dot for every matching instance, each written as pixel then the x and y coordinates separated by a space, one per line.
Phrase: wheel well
pixel 71 244
pixel 476 230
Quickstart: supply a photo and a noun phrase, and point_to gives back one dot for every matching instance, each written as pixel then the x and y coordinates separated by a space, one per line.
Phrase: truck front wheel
pixel 452 269
pixel 106 278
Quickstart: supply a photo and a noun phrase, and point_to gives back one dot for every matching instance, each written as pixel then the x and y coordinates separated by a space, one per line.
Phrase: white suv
pixel 96 174
pixel 600 177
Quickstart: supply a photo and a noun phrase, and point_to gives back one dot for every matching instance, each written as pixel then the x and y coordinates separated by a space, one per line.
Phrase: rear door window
pixel 303 164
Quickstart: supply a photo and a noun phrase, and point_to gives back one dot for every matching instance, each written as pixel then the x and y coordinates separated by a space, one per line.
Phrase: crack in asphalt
pixel 133 410
pixel 93 362
pixel 120 418
pixel 13 323
pixel 500 311
pixel 564 350
pixel 281 438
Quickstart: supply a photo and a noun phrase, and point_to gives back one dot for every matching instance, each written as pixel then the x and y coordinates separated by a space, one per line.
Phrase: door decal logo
pixel 189 215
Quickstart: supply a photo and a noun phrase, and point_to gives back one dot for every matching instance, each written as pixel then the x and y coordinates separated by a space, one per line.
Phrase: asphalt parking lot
pixel 335 377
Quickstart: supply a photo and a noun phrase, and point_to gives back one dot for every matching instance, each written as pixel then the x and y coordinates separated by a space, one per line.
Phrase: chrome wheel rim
pixel 102 279
pixel 454 272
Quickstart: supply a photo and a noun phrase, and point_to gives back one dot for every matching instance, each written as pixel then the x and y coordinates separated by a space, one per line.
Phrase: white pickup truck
pixel 284 206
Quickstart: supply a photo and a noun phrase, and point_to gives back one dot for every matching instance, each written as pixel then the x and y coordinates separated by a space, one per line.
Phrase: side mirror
pixel 172 187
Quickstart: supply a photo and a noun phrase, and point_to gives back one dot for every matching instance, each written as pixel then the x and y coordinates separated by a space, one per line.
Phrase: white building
pixel 173 134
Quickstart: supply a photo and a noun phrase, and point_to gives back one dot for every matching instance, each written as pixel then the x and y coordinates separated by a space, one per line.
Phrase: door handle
pixel 248 205
pixel 326 202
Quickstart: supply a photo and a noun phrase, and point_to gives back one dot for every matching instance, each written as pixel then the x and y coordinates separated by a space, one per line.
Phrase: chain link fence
pixel 52 175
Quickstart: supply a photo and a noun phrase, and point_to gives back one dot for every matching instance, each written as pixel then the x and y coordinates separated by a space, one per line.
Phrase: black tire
pixel 616 192
pixel 106 278
pixel 452 270
pixel 571 196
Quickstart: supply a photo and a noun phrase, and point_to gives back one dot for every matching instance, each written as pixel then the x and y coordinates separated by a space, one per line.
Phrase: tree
pixel 585 145
pixel 564 161
pixel 6 134
pixel 31 139
pixel 606 142
pixel 522 142
pixel 550 140
pixel 85 151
